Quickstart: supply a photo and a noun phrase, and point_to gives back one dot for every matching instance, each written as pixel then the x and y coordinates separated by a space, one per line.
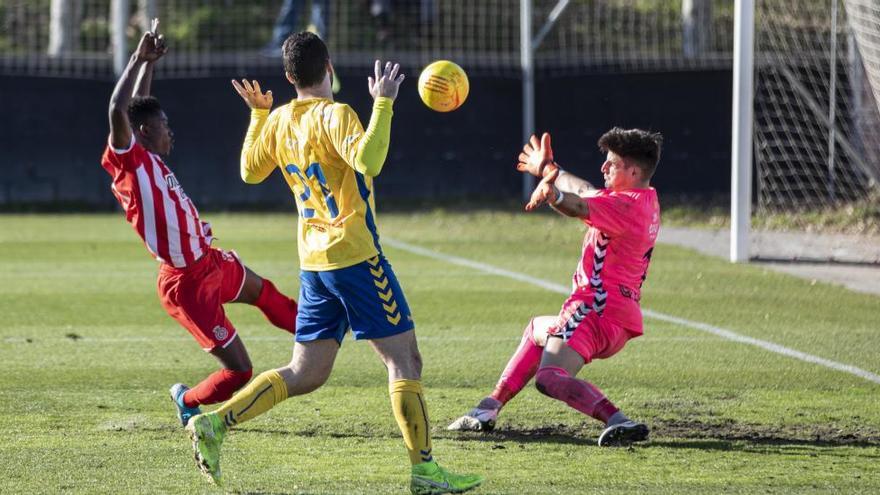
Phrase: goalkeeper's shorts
pixel 587 332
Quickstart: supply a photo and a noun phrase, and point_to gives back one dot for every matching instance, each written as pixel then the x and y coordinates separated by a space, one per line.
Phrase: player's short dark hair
pixel 143 108
pixel 305 58
pixel 642 147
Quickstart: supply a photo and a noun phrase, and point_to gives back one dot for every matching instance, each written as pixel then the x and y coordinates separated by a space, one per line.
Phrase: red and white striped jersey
pixel 156 206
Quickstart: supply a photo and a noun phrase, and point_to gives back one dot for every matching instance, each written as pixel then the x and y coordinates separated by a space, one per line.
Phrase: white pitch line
pixel 705 327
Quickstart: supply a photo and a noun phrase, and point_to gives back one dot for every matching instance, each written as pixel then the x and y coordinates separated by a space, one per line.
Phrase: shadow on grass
pixel 559 434
pixel 790 447
pixel 236 492
pixel 721 435
pixel 729 431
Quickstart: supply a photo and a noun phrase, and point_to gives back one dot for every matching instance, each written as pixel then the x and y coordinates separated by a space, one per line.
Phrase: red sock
pixel 579 394
pixel 521 367
pixel 219 386
pixel 279 309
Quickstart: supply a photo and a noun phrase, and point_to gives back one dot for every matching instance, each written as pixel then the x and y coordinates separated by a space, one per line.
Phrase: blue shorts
pixel 365 297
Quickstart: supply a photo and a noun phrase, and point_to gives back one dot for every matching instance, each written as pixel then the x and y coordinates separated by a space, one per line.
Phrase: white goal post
pixel 741 147
pixel 806 123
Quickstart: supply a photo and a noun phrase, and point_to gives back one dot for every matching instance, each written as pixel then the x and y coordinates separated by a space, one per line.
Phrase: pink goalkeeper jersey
pixel 156 206
pixel 617 251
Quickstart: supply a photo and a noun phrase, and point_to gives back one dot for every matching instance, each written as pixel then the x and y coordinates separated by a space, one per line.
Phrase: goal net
pixel 817 130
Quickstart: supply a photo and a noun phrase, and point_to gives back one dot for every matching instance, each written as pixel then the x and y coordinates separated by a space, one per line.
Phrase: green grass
pixel 88 354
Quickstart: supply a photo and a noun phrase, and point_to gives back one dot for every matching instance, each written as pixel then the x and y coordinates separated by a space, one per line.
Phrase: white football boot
pixel 480 418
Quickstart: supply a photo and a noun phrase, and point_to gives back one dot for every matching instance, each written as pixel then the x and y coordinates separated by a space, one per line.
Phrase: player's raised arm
pixel 372 149
pixel 257 160
pixel 546 192
pixel 536 158
pixel 145 75
pixel 150 48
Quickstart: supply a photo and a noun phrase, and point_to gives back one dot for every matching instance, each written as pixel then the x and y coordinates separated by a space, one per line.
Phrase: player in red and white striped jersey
pixel 154 202
pixel 195 279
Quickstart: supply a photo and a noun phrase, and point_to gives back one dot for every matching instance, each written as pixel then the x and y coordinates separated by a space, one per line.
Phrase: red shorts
pixel 588 333
pixel 194 296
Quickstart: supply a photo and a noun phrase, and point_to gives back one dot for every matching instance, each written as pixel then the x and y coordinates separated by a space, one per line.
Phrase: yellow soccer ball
pixel 443 86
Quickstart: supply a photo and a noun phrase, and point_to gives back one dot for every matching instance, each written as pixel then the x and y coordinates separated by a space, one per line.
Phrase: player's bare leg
pixel 400 354
pixel 236 366
pixel 556 378
pixel 218 386
pixel 309 368
pixel 279 309
pixel 516 375
pixel 237 369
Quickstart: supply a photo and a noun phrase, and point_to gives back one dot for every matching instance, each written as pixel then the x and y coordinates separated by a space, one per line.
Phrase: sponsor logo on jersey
pixel 629 293
pixel 329 120
pixel 174 185
pixel 351 139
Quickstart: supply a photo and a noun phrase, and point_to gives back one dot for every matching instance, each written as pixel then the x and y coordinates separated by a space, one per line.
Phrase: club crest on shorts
pixel 220 332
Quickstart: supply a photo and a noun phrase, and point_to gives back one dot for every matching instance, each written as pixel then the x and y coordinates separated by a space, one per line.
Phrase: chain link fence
pixel 73 38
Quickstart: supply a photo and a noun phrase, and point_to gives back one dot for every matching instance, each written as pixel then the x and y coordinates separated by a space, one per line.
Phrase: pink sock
pixel 521 367
pixel 579 394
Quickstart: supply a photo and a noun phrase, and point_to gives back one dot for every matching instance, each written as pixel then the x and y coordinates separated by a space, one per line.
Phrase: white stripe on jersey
pixel 193 228
pixel 172 227
pixel 148 211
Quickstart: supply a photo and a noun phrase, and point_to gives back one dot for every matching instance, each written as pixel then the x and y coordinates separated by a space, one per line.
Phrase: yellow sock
pixel 260 395
pixel 409 409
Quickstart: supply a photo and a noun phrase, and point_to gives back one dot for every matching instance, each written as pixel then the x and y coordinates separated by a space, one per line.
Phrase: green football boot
pixel 428 478
pixel 207 432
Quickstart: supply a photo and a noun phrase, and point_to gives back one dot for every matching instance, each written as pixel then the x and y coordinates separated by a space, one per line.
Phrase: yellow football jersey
pixel 329 161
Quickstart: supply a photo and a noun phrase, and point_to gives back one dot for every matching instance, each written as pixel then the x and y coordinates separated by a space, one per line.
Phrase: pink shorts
pixel 194 296
pixel 587 332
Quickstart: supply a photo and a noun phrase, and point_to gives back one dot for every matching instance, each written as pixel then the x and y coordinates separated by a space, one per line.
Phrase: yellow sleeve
pixel 364 151
pixel 257 152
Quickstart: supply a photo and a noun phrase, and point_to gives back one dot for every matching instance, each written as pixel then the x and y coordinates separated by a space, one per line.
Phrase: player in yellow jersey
pixel 329 161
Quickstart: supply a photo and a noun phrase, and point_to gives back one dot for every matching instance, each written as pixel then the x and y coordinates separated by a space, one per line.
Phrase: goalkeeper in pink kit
pixel 602 313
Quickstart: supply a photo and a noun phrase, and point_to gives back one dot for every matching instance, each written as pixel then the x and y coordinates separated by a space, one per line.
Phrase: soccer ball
pixel 443 86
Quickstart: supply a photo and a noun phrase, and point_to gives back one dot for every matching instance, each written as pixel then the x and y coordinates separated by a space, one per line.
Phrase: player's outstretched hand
pixel 545 191
pixel 251 94
pixel 152 44
pixel 385 81
pixel 536 156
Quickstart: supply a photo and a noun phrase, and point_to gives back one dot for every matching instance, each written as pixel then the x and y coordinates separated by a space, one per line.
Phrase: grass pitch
pixel 88 354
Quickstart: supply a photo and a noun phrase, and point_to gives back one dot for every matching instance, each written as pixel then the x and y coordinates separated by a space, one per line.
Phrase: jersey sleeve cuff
pixel 259 113
pixel 383 104
pixel 121 151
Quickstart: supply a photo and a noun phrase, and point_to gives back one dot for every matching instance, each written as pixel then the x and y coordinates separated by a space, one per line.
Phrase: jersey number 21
pixel 314 171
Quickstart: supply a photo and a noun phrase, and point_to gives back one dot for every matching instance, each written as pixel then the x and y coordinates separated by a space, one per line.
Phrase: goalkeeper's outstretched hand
pixel 545 191
pixel 536 157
